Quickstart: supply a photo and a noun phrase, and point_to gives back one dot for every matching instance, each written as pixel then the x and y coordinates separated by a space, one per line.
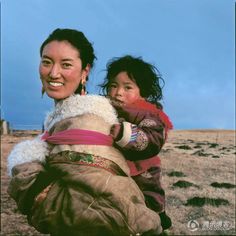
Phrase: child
pixel 134 89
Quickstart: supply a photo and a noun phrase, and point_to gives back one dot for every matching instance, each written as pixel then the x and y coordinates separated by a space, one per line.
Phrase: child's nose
pixel 119 91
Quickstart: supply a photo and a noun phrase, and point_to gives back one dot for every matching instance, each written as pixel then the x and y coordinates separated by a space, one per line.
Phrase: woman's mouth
pixel 55 84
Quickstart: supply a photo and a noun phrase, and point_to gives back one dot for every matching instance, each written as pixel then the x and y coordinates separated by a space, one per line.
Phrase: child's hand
pixel 115 130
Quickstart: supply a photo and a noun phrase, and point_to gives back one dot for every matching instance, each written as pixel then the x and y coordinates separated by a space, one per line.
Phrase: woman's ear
pixel 85 72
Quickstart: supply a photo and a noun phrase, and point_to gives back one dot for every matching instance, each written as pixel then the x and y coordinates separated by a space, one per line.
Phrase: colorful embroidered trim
pixel 134 130
pixel 85 159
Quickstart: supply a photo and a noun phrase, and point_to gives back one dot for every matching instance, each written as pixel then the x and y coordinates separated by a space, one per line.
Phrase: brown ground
pixel 197 165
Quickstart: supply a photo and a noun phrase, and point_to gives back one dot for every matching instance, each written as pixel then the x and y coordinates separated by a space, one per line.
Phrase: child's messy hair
pixel 145 75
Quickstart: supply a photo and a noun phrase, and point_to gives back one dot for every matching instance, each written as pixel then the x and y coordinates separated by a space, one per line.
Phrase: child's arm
pixel 141 136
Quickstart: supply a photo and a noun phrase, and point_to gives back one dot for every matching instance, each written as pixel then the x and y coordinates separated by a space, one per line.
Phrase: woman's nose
pixel 55 71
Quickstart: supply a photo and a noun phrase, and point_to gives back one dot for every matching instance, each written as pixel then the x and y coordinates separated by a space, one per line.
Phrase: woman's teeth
pixel 56 84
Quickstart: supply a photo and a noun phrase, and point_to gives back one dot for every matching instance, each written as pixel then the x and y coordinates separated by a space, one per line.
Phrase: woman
pixel 70 180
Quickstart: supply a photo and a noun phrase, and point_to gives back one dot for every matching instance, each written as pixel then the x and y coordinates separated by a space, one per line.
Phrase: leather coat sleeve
pixel 26 183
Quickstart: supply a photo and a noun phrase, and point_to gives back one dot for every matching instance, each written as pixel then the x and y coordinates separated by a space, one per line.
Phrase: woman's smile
pixel 55 84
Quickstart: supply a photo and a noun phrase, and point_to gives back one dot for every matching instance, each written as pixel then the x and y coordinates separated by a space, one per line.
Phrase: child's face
pixel 123 90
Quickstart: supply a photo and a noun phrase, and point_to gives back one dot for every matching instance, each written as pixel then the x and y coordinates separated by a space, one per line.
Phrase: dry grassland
pixel 198 176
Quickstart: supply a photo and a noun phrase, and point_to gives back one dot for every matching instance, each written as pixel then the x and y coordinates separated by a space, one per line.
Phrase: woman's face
pixel 61 69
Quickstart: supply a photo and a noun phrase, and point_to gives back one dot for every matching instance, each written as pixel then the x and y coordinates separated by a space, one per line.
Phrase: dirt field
pixel 198 175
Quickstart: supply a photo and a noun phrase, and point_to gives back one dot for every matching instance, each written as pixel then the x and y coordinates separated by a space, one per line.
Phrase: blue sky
pixel 191 42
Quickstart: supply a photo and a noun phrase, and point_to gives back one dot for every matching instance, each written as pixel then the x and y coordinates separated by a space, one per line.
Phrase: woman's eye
pixel 46 62
pixel 66 65
pixel 112 86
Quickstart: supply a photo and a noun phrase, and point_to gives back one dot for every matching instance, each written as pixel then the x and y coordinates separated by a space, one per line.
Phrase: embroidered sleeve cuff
pixel 129 134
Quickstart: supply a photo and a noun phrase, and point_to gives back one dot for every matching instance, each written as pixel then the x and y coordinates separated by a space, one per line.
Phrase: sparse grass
pixel 201 201
pixel 190 140
pixel 206 202
pixel 213 145
pixel 223 185
pixel 184 184
pixel 223 148
pixel 185 147
pixel 215 156
pixel 202 143
pixel 176 173
pixel 201 153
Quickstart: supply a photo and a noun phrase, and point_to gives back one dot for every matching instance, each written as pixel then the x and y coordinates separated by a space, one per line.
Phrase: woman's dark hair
pixel 145 75
pixel 78 40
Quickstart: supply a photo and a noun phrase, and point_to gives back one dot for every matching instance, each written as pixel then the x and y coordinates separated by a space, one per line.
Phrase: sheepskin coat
pixel 60 196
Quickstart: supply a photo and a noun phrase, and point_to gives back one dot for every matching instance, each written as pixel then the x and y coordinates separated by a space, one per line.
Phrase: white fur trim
pixel 27 151
pixel 79 105
pixel 127 132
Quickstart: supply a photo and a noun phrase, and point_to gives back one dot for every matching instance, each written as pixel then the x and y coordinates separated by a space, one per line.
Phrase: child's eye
pixel 128 88
pixel 112 86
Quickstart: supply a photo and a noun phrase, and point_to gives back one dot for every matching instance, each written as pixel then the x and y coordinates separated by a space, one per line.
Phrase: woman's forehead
pixel 60 47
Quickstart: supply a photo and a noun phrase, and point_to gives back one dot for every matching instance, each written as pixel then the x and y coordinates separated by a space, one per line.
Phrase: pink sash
pixel 78 136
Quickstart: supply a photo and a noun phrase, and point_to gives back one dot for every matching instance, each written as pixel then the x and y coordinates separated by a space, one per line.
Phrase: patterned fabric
pixel 134 133
pixel 141 141
pixel 86 159
pixel 78 159
pixel 151 127
pixel 146 131
pixel 148 123
pixel 150 184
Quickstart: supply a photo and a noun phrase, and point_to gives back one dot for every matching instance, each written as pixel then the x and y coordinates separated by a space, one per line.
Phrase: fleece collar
pixel 78 105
